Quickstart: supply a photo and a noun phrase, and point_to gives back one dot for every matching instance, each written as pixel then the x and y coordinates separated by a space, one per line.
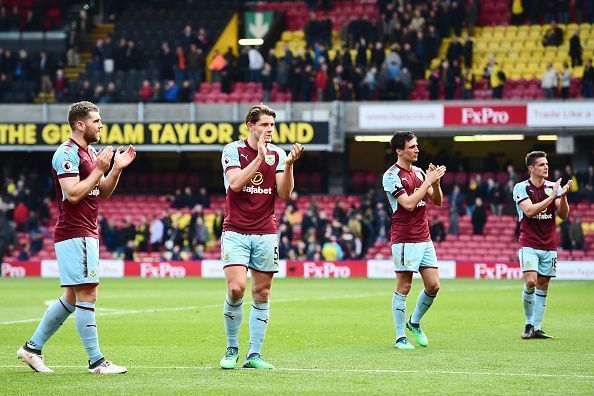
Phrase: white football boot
pixel 107 367
pixel 33 360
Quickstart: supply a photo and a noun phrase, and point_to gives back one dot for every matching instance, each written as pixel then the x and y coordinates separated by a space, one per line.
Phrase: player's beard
pixel 90 136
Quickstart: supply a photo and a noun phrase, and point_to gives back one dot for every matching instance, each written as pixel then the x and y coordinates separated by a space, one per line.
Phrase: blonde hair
pixel 79 111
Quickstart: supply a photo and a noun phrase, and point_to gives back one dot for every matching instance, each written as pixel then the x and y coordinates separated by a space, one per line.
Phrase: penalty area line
pixel 346 370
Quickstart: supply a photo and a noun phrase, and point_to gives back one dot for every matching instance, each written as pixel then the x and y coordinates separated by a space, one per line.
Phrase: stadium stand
pixel 129 218
pixel 110 62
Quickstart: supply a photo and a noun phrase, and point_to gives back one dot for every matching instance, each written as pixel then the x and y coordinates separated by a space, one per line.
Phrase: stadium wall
pixel 375 269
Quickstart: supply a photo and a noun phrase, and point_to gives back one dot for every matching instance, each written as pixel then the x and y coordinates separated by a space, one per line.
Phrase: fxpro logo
pixel 325 270
pixel 161 270
pixel 484 116
pixel 11 271
pixel 496 271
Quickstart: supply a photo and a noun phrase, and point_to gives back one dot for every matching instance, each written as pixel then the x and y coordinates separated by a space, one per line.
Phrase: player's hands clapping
pixel 104 159
pixel 262 146
pixel 123 158
pixel 295 153
pixel 565 189
pixel 435 173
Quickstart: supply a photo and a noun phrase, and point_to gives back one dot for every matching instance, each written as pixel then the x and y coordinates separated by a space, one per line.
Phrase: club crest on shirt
pixel 269 159
pixel 548 191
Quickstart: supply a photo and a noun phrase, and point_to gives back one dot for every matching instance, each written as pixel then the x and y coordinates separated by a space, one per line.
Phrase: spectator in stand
pixel 20 215
pixel 167 62
pixel 479 217
pixel 331 250
pixel 437 230
pixel 564 237
pixel 23 254
pixel 256 63
pixel 202 39
pixel 549 82
pixel 7 236
pixel 571 174
pixel 179 67
pixel 455 50
pixel 588 79
pixel 109 233
pixel 553 36
pixel 217 64
pixel 61 86
pixel 143 234
pixel 202 235
pixel 575 49
pixel 145 93
pixel 157 92
pixel 565 79
pixel 453 220
pixel 467 50
pixel 98 56
pixel 156 233
pixel 171 92
pixel 434 84
pixel 468 85
pixel 576 234
pixel 186 93
pixel 496 80
pixel 186 38
pixel 495 196
pixel 517 12
pixel 195 64
pixel 587 180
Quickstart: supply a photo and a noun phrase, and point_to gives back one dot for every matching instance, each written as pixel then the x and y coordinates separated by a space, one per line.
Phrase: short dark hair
pixel 400 138
pixel 80 111
pixel 532 156
pixel 255 112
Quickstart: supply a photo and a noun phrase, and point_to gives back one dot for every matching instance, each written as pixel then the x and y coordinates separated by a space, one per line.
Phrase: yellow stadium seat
pixel 515 75
pixel 529 45
pixel 513 56
pixel 287 35
pixel 578 72
pixel 507 45
pixel 517 45
pixel 522 35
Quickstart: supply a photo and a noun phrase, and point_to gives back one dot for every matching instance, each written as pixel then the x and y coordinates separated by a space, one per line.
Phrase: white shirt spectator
pixel 549 79
pixel 256 59
pixel 157 229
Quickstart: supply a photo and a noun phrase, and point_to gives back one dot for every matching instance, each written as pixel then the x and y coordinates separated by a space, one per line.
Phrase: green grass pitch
pixel 325 337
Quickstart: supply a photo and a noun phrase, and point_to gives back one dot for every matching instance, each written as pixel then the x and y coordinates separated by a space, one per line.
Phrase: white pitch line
pixel 100 311
pixel 366 371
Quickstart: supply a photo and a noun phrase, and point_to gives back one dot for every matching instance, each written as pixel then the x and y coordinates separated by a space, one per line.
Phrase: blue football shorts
pixel 78 261
pixel 412 256
pixel 259 252
pixel 544 262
